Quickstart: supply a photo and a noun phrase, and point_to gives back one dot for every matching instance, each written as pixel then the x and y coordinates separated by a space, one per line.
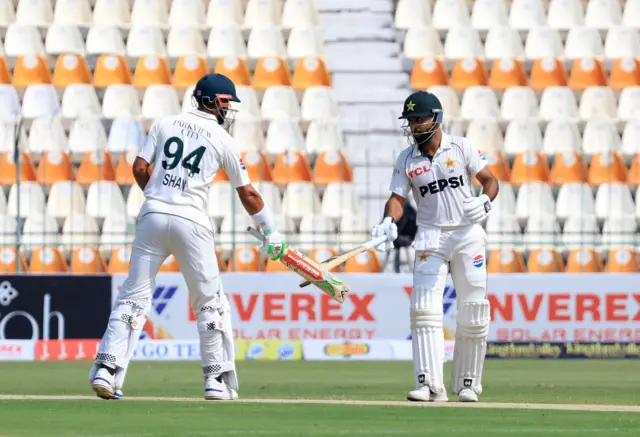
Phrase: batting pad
pixel 427 337
pixel 471 345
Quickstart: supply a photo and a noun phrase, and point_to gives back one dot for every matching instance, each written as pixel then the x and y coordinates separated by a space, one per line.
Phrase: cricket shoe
pixel 467 395
pixel 424 394
pixel 102 384
pixel 215 390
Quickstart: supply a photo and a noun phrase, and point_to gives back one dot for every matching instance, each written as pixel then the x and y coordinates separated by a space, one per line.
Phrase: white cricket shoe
pixel 218 391
pixel 467 395
pixel 424 394
pixel 102 384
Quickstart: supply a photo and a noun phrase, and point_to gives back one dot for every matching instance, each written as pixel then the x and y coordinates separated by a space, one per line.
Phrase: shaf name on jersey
pixel 174 181
pixel 441 184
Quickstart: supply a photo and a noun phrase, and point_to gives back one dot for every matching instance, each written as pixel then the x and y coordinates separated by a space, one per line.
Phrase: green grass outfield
pixel 52 399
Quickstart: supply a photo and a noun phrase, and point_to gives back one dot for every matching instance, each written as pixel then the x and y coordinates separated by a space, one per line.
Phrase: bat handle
pixel 256 233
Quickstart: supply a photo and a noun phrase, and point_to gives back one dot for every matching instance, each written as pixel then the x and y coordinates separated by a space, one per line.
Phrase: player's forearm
pixel 141 172
pixel 251 199
pixel 490 187
pixel 394 208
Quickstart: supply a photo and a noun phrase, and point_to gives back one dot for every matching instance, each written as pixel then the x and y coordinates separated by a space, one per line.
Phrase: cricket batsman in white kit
pixel 186 150
pixel 438 169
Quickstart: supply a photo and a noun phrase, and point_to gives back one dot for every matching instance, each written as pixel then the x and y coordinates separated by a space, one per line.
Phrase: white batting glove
pixel 476 209
pixel 275 245
pixel 387 228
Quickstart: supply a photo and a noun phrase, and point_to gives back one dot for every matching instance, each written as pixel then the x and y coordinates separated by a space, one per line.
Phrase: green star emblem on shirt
pixel 411 106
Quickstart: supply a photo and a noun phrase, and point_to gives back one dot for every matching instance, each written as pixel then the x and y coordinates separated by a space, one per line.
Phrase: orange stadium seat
pixel 428 72
pixel 257 165
pixel 245 259
pixel 625 72
pixel 222 264
pixel 9 261
pixel 622 260
pixel 5 75
pixel 468 72
pixel 291 166
pixel 545 261
pixel 111 70
pixel 584 261
pixel 310 72
pixel 331 166
pixel 119 261
pixel 498 165
pixel 96 166
pixel 124 169
pixel 170 265
pixel 366 262
pixel 151 70
pixel 505 261
pixel 272 267
pixel 188 70
pixel 70 69
pixel 634 172
pixel 54 167
pixel 221 176
pixel 547 72
pixel 48 260
pixel 235 69
pixel 529 166
pixel 587 72
pixel 30 70
pixel 8 168
pixel 87 260
pixel 321 254
pixel 507 73
pixel 568 167
pixel 271 72
pixel 607 167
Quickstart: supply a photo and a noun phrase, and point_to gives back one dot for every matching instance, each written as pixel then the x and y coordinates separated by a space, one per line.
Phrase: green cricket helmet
pixel 418 105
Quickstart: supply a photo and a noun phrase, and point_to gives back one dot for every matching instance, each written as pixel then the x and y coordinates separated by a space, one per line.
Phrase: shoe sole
pixel 103 391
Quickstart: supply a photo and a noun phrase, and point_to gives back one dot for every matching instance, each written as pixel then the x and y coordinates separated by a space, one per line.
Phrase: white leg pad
pixel 118 343
pixel 427 338
pixel 471 345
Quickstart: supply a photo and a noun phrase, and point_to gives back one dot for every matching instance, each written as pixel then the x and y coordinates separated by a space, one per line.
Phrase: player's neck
pixel 432 146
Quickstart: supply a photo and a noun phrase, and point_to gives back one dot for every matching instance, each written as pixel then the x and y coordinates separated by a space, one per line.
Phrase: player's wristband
pixel 264 220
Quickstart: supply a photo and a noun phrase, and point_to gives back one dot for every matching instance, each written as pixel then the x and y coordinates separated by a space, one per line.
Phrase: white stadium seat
pixel 300 199
pixel 603 14
pixel 318 103
pixel 64 39
pixel 47 134
pixel 580 230
pixel 266 41
pixel 249 107
pixel 34 12
pixel 619 231
pixel 543 42
pixel 505 203
pixel 503 230
pixel 583 42
pixel 7 13
pixel 185 41
pixel 340 199
pixel 185 13
pixel 66 198
pixel 116 233
pixel 31 199
pixel 74 12
pixel 558 103
pixel 541 231
pixel 316 231
pixel 600 136
pixel 8 230
pixel 248 134
pixel 221 196
pixel 534 198
pixel 280 102
pixel 522 135
pixel 485 134
pixel 79 231
pixel 40 230
pixel 323 136
pixel 409 14
pixel 261 13
pixel 574 199
pixel 87 135
pixel 598 102
pixel 23 39
pixel 449 100
pixel 503 42
pixel 300 13
pixel 450 13
pixel 159 101
pixel 479 102
pixel 104 198
pixel 527 14
pixel 613 200
pixel 421 42
pixel 126 133
pixel 304 42
pixel 622 42
pixel 226 41
pixel 9 103
pixel 271 195
pixel 463 42
pixel 565 14
pixel 120 100
pixel 487 14
pixel 628 108
pixel 631 139
pixel 105 39
pixel 40 100
pixel 149 13
pixel 631 13
pixel 135 199
pixel 561 135
pixel 80 99
pixel 145 41
pixel 283 135
pixel 112 13
pixel 224 12
pixel 519 103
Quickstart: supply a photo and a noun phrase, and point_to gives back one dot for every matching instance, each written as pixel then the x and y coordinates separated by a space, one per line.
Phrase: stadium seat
pixel 39 230
pixel 10 262
pixel 303 42
pixel 613 199
pixel 561 135
pixel 507 73
pixel 580 230
pixel 428 71
pixel 21 40
pixel 568 167
pixel 66 198
pixel 586 73
pixel 249 106
pixel 448 98
pixel 104 198
pixel 558 103
pixel 73 12
pixel 603 14
pixel 323 136
pixel 534 199
pixel 365 262
pixel 64 39
pixel 235 69
pixel 304 13
pixel 353 227
pixel 245 259
pixel 280 103
pixel 105 39
pixel 79 231
pixel 150 13
pixel 422 42
pixel 125 134
pixel 628 108
pixel 529 166
pixel 543 42
pixel 584 260
pixel 282 136
pixel 187 11
pixel 565 14
pixel 541 231
pixel 71 70
pixel 574 199
pixel 321 254
pixel 634 173
pixel 340 200
pixel 545 261
pixel 271 72
pixel 468 72
pixel 159 101
pixel 547 72
pixel 226 41
pixel 300 199
pixel 96 166
pixel 519 103
pixel 80 100
pixel 9 102
pixel 185 41
pixel 135 199
pixel 607 167
pixel 485 134
pixel 622 42
pixel 257 165
pixel 503 231
pixel 47 134
pixel 111 70
pixel 503 41
pixel 309 72
pixel 583 42
pixel 330 167
pixel 631 138
pixel 248 134
pixel 119 261
pixel 463 42
pixel 597 102
pixel 272 198
pixel 87 261
pixel 262 13
pixel 233 232
pixel 86 135
pixel 450 13
pixel 9 168
pixel 189 70
pixel 527 14
pixel 8 230
pixel 47 260
pixel 506 202
pixel 489 14
pixel 619 231
pixel 120 100
pixel 40 100
pixel 479 102
pixel 224 12
pixel 54 167
pixel 124 171
pixel 151 70
pixel 30 70
pixel 222 200
pixel 498 165
pixel 5 75
pixel 625 72
pixel 600 136
pixel 621 260
pixel 522 136
pixel 316 231
pixel 505 261
pixel 291 167
pixel 112 13
pixel 117 231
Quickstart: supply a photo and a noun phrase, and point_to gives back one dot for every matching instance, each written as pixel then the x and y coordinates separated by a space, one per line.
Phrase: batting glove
pixel 388 229
pixel 274 246
pixel 476 209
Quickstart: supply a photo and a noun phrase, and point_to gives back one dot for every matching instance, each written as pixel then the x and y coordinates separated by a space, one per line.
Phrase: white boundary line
pixel 511 406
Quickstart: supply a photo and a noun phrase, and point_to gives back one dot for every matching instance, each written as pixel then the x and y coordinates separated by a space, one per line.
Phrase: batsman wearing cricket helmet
pixel 187 151
pixel 438 168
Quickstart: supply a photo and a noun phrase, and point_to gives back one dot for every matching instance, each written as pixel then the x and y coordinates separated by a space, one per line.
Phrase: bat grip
pixel 256 233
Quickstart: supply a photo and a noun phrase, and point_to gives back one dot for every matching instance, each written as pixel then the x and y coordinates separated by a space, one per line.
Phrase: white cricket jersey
pixel 439 186
pixel 187 150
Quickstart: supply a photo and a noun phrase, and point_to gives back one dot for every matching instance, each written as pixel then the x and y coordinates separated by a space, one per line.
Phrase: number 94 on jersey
pixel 173 152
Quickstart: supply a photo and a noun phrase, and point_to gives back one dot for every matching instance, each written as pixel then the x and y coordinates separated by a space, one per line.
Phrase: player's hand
pixel 275 245
pixel 387 228
pixel 476 209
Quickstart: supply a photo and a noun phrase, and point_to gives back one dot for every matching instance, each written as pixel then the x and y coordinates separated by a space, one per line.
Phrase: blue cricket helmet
pixel 215 92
